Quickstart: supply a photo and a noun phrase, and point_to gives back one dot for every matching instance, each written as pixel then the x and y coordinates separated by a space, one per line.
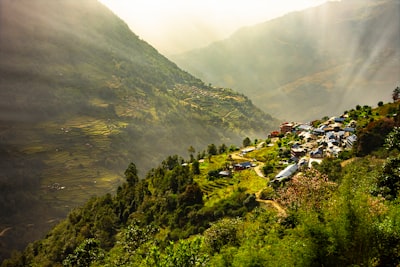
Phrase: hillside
pixel 343 211
pixel 309 62
pixel 81 96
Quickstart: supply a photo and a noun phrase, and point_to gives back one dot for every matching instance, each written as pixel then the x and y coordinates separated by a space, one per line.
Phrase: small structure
pixel 242 166
pixel 286 128
pixel 286 173
pixel 339 119
pixel 247 150
pixel 304 127
pixel 349 129
pixel 298 151
pixel 224 173
pixel 273 134
pixel 317 153
pixel 351 140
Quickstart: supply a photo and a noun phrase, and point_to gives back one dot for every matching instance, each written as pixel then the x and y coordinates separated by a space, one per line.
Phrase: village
pixel 328 139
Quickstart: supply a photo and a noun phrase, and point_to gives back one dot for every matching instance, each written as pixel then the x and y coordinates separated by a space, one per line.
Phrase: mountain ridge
pixel 356 40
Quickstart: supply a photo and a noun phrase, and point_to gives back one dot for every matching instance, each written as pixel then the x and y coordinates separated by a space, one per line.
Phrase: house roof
pixel 289 170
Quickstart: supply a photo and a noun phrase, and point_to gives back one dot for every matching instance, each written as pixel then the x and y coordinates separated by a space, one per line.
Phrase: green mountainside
pixel 344 211
pixel 81 96
pixel 309 62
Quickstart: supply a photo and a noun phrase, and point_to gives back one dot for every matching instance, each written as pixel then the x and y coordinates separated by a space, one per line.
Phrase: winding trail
pixel 257 169
pixel 273 203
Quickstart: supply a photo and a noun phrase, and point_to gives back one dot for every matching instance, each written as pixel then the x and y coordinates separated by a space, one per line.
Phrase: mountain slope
pixel 309 62
pixel 344 211
pixel 82 96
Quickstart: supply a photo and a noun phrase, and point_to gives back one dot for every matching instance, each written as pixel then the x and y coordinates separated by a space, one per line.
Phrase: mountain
pixel 310 62
pixel 81 97
pixel 342 211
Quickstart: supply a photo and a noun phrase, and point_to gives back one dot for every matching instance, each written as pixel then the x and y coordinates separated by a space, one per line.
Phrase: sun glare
pixel 175 26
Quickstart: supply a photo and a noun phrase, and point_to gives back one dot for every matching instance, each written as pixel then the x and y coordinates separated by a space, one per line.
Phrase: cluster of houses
pixel 327 140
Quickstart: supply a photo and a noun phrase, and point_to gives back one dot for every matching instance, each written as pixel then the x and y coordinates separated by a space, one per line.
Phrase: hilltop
pixel 221 210
pixel 81 96
pixel 309 62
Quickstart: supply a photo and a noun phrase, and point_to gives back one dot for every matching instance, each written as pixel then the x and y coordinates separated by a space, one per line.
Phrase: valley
pixel 309 62
pixel 81 96
pixel 90 116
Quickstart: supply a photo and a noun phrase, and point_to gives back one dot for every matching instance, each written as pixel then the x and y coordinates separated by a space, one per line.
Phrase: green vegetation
pixel 80 96
pixel 341 213
pixel 316 61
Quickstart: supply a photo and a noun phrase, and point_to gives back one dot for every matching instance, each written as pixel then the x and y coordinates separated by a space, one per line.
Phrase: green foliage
pixel 212 149
pixel 131 174
pixel 246 142
pixel 222 233
pixel 330 167
pixel 393 139
pixel 338 213
pixel 184 253
pixel 373 136
pixel 396 94
pixel 86 253
pixel 135 235
pixel 196 167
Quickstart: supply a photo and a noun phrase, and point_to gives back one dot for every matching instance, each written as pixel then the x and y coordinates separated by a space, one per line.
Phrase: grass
pixel 221 188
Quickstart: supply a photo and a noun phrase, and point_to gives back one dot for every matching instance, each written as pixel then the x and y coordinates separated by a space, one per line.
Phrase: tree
pixel 131 174
pixel 222 149
pixel 196 167
pixel 389 180
pixel 373 136
pixel 212 150
pixel 396 94
pixel 380 103
pixel 246 142
pixel 221 233
pixel 191 151
pixel 87 252
pixel 393 139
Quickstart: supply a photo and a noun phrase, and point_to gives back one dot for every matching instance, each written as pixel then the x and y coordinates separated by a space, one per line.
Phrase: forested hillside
pixel 343 211
pixel 309 62
pixel 81 96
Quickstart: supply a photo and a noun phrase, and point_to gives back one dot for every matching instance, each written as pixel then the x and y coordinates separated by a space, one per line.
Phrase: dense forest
pixel 341 212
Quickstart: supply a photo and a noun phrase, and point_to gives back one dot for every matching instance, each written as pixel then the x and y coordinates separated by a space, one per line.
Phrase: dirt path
pixel 270 203
pixel 257 169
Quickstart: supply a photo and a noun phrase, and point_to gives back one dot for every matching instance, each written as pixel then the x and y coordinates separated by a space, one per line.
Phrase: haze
pixel 176 26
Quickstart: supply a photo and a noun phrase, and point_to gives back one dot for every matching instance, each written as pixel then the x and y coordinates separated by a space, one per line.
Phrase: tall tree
pixel 396 94
pixel 212 149
pixel 246 142
pixel 191 151
pixel 131 174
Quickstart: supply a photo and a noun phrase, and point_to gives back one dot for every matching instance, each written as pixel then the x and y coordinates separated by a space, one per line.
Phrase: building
pixel 286 127
pixel 351 140
pixel 286 173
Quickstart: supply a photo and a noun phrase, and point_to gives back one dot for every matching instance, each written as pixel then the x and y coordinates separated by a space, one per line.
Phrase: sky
pixel 176 26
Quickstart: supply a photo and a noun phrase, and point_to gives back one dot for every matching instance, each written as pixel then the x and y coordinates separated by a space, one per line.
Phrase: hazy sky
pixel 174 26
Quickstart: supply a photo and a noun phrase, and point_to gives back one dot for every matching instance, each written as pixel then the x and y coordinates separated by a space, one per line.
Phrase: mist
pixel 177 26
pixel 318 62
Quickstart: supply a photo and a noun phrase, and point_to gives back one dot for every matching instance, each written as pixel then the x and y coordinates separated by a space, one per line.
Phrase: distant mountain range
pixel 82 96
pixel 311 62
